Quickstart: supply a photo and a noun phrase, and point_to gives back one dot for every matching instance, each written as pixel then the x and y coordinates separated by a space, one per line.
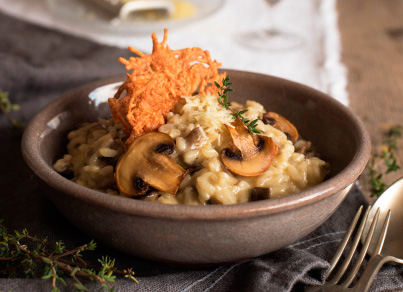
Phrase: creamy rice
pixel 93 151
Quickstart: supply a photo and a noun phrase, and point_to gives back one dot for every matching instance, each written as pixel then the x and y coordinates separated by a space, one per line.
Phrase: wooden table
pixel 372 42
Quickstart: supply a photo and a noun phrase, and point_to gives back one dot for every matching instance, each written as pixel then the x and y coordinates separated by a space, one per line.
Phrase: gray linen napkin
pixel 39 64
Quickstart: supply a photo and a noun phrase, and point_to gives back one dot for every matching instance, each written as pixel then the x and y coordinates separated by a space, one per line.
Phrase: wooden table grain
pixel 372 42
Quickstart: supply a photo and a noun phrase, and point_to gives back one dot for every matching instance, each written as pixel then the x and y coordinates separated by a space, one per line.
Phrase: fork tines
pixel 349 278
pixel 337 279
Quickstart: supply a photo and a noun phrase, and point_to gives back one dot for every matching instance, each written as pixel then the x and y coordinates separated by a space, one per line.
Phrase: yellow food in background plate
pixel 183 9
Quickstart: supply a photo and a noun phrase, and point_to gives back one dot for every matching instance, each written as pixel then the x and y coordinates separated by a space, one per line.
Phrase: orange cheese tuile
pixel 156 83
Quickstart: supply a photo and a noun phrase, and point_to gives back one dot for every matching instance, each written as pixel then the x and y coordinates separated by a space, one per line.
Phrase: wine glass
pixel 270 38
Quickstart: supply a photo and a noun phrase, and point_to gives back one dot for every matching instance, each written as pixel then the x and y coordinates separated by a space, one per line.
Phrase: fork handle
pixel 372 268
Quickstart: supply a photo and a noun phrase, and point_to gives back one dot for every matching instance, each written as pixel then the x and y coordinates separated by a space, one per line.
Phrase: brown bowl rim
pixel 32 155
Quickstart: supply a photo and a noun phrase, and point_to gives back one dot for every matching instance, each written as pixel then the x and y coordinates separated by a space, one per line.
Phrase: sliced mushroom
pixel 146 164
pixel 241 138
pixel 259 194
pixel 194 138
pixel 281 123
pixel 179 105
pixel 302 146
pixel 248 156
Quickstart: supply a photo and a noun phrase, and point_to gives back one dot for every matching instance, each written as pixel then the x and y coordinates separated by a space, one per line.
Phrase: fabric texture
pixel 36 66
pixel 315 21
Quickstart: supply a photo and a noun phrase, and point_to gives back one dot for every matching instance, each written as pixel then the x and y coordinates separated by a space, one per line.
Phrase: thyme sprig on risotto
pixel 223 100
pixel 24 254
pixel 388 157
pixel 223 94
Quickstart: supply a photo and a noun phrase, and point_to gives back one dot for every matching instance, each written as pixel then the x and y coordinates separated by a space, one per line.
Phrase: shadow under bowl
pixel 213 234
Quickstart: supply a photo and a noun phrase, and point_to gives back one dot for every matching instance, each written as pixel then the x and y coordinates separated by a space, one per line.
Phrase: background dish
pixel 205 234
pixel 82 13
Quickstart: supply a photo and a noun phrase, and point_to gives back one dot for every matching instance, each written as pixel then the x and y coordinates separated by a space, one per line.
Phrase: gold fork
pixel 341 281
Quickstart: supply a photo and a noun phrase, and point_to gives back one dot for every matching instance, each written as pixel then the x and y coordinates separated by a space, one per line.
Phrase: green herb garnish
pixel 388 157
pixel 21 253
pixel 223 94
pixel 388 154
pixel 6 107
pixel 223 100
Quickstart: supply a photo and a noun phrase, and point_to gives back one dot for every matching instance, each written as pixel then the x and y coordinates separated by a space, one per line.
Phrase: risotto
pixel 197 125
pixel 175 138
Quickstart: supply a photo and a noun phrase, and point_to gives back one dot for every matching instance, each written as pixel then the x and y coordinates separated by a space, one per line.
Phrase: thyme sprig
pixel 223 94
pixel 6 107
pixel 223 100
pixel 22 253
pixel 388 157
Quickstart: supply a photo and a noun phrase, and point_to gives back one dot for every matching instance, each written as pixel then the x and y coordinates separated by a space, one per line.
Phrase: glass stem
pixel 270 23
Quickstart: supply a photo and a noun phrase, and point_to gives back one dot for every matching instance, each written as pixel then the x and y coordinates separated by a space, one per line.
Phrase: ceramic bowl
pixel 197 235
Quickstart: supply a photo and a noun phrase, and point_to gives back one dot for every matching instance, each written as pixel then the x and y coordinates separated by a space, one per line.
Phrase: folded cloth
pixel 39 64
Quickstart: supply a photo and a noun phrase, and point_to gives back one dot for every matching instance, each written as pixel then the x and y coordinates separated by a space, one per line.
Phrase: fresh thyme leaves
pixel 250 124
pixel 223 94
pixel 388 154
pixel 6 107
pixel 388 157
pixel 22 253
pixel 223 100
pixel 377 185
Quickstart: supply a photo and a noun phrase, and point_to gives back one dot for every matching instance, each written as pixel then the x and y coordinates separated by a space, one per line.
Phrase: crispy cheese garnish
pixel 157 82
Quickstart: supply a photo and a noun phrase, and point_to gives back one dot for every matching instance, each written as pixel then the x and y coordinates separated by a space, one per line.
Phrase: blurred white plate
pixel 85 14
